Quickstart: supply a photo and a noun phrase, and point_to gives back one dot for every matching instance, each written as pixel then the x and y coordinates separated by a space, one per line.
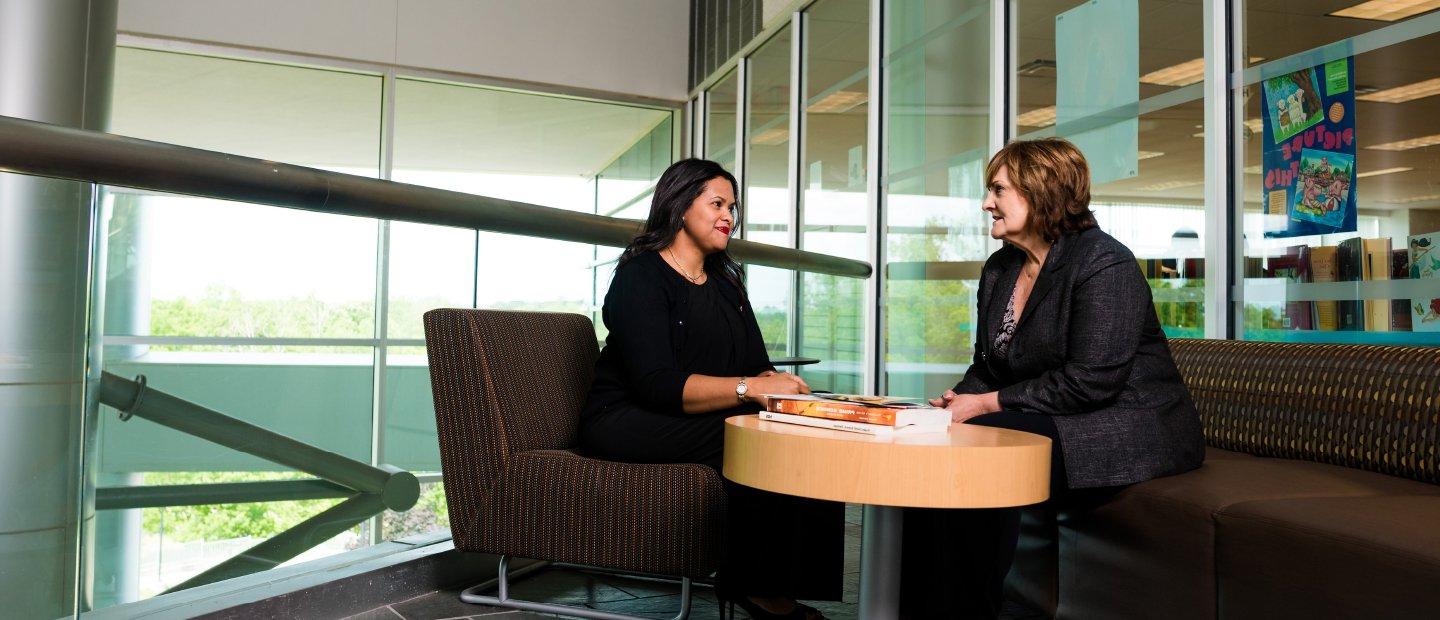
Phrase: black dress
pixel 662 329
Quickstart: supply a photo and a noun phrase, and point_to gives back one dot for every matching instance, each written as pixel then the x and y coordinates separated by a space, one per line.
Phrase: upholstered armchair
pixel 509 387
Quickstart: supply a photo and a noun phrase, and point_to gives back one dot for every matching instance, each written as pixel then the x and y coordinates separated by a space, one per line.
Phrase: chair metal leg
pixel 502 581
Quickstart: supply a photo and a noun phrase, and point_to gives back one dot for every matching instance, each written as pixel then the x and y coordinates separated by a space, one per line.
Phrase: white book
pixel 878 430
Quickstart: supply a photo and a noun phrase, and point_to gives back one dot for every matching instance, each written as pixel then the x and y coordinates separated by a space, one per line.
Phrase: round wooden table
pixel 966 467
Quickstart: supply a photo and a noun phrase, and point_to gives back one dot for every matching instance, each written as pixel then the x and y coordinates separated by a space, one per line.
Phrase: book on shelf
pixel 878 430
pixel 1194 269
pixel 1400 319
pixel 1294 266
pixel 1424 265
pixel 1377 267
pixel 877 410
pixel 1351 260
pixel 1324 267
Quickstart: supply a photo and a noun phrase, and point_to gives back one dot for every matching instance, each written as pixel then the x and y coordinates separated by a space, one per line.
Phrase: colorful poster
pixel 1322 190
pixel 1309 151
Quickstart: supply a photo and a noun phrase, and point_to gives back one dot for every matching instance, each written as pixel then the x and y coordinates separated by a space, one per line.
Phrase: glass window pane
pixel 936 144
pixel 720 121
pixel 833 199
pixel 1156 205
pixel 198 291
pixel 765 208
pixel 1341 182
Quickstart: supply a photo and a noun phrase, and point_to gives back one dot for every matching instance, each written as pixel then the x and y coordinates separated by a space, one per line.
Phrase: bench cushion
pixel 1330 557
pixel 1150 552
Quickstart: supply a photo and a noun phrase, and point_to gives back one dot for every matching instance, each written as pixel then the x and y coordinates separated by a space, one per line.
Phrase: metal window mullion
pixel 741 150
pixel 795 159
pixel 382 291
pixel 1000 68
pixel 697 124
pixel 875 235
pixel 1219 163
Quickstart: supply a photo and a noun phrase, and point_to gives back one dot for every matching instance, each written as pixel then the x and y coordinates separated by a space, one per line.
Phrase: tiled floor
pixel 626 595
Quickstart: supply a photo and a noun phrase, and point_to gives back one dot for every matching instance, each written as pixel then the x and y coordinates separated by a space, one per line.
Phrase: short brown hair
pixel 1053 177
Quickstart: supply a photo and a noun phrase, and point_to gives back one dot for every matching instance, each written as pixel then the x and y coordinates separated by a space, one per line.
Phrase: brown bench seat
pixel 1302 473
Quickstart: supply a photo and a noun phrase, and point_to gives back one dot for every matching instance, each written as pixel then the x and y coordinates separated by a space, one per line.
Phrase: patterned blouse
pixel 1007 329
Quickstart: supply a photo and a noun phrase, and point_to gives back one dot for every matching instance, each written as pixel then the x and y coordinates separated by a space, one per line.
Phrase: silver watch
pixel 741 389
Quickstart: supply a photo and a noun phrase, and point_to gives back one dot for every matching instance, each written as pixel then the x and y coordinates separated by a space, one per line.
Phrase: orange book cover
pixel 865 409
pixel 850 412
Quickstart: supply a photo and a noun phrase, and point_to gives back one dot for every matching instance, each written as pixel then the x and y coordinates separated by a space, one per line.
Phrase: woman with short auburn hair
pixel 1067 346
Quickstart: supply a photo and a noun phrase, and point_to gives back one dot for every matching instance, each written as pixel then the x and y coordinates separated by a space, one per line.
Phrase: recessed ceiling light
pixel 1405 145
pixel 1159 187
pixel 771 137
pixel 1043 117
pixel 1183 74
pixel 1388 10
pixel 838 102
pixel 1376 173
pixel 1413 199
pixel 1143 155
pixel 1408 92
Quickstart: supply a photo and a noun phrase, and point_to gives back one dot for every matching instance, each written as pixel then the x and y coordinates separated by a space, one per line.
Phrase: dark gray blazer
pixel 1089 351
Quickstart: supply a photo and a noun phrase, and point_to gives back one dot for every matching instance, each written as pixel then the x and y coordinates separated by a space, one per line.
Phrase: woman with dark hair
pixel 683 353
pixel 1069 347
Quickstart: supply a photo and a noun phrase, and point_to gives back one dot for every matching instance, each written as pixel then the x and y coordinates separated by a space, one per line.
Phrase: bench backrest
pixel 1368 407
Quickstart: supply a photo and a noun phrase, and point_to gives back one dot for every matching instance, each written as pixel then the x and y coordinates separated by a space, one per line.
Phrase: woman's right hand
pixel 775 383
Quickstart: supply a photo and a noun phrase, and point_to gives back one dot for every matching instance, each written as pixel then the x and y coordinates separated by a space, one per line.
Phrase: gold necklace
pixel 694 279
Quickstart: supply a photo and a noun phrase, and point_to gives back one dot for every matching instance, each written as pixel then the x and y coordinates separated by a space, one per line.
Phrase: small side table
pixel 967 467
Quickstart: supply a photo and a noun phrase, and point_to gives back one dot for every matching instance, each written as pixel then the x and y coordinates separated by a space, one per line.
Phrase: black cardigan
pixel 647 314
pixel 1089 351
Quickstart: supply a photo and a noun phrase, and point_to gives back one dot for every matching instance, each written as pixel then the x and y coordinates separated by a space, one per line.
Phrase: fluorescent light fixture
pixel 1376 173
pixel 1144 155
pixel 1413 199
pixel 838 102
pixel 771 137
pixel 1160 187
pixel 1183 74
pixel 1388 10
pixel 1043 117
pixel 1255 169
pixel 1406 145
pixel 1408 92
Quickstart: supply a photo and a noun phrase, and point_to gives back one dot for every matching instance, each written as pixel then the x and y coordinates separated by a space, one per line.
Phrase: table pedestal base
pixel 880 562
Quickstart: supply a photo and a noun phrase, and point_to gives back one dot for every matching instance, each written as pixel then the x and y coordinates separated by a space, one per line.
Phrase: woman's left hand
pixel 965 406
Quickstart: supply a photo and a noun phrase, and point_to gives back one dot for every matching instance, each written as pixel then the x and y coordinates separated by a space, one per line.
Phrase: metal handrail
pixel 40 149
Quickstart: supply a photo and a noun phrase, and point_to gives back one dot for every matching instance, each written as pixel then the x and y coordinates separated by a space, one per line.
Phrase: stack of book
pixel 871 415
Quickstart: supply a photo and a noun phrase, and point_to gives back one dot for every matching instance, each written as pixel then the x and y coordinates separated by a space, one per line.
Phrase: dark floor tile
pixel 567 587
pixel 379 613
pixel 661 607
pixel 442 604
pixel 852 549
pixel 644 588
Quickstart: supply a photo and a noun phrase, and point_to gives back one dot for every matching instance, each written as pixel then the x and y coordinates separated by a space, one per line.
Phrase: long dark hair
pixel 678 187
